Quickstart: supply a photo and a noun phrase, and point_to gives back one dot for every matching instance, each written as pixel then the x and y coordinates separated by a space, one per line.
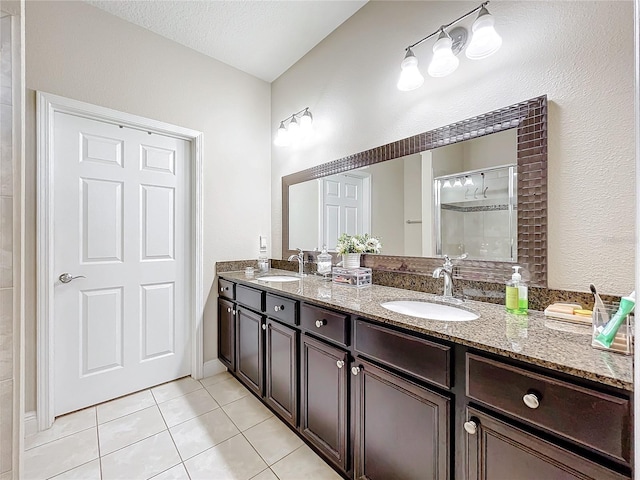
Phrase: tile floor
pixel 212 429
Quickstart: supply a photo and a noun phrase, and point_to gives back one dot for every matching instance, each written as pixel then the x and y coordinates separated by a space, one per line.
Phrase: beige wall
pixel 78 51
pixel 580 54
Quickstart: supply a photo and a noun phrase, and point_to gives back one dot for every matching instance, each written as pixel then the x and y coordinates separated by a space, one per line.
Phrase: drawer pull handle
pixel 321 323
pixel 229 310
pixel 278 308
pixel 222 289
pixel 471 427
pixel 355 370
pixel 531 400
pixel 340 363
pixel 264 326
pixel 234 311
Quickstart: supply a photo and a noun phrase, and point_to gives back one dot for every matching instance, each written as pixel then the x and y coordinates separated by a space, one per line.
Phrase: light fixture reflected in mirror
pixel 468 181
pixel 446 184
pixel 457 183
pixel 485 41
pixel 299 125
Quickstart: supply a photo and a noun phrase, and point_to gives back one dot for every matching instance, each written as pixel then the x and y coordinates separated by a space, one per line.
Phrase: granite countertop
pixel 533 338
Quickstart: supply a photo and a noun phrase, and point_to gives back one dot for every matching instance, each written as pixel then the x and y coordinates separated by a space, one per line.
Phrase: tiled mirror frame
pixel 530 119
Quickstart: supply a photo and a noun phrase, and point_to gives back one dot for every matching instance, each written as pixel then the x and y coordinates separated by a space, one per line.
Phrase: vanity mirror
pixel 477 186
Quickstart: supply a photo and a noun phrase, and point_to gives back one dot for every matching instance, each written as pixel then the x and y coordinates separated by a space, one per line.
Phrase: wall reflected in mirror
pixel 460 198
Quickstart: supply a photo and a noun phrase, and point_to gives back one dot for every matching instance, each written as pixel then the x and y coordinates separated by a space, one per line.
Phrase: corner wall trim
pixel 213 367
pixel 30 423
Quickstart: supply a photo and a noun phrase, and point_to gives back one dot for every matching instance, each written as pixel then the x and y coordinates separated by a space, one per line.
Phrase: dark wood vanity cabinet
pixel 226 333
pixel 281 370
pixel 380 402
pixel 497 450
pixel 402 428
pixel 249 349
pixel 324 403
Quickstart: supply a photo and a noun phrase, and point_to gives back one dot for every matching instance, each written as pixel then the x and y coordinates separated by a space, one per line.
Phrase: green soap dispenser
pixel 517 294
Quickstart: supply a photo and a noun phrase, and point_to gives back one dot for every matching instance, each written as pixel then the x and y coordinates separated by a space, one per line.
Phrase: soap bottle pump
pixel 517 300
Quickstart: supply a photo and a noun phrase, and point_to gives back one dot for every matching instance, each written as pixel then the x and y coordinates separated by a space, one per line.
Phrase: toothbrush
pixel 598 306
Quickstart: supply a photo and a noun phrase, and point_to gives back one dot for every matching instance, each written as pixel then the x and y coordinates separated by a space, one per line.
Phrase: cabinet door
pixel 281 370
pixel 226 333
pixel 324 400
pixel 402 429
pixel 249 349
pixel 498 450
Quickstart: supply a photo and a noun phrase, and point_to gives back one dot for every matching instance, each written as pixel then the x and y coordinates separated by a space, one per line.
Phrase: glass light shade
pixel 457 183
pixel 468 181
pixel 306 121
pixel 446 184
pixel 410 77
pixel 485 40
pixel 444 62
pixel 294 129
pixel 282 137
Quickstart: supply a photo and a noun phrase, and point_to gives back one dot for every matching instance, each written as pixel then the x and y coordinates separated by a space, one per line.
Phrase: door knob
pixel 355 370
pixel 67 277
pixel 471 427
pixel 340 363
pixel 320 323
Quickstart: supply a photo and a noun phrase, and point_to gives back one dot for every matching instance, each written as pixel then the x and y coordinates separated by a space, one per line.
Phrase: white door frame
pixel 47 106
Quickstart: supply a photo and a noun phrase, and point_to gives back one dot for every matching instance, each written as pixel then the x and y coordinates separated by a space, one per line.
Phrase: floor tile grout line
pixel 177 396
pixel 236 425
pixel 59 438
pixel 133 443
pixel 290 453
pixel 73 468
pixel 256 450
pixel 209 448
pixel 192 418
pixel 99 451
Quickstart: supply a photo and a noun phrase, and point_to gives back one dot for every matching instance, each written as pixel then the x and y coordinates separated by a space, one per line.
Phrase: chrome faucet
pixel 446 271
pixel 300 257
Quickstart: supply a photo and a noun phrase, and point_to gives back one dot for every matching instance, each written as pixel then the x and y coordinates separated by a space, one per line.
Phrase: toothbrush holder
pixel 623 341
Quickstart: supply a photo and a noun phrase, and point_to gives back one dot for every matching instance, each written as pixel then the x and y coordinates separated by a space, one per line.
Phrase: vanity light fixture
pixel 468 181
pixel 457 183
pixel 485 41
pixel 299 125
pixel 446 184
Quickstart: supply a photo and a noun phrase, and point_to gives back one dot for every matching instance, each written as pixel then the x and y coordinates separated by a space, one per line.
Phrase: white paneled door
pixel 122 223
pixel 345 207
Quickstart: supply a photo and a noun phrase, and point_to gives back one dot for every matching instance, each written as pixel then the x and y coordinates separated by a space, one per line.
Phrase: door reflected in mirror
pixel 460 198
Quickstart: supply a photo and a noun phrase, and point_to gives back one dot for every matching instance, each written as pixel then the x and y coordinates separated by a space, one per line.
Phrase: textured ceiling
pixel 263 38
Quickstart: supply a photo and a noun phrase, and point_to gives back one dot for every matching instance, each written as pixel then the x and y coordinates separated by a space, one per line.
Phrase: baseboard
pixel 213 367
pixel 30 423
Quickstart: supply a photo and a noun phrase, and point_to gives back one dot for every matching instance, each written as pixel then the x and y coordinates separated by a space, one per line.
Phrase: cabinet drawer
pixel 250 297
pixel 283 309
pixel 325 323
pixel 420 358
pixel 598 420
pixel 226 289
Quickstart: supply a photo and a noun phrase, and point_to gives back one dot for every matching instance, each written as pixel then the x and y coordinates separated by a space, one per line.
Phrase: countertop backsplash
pixel 539 298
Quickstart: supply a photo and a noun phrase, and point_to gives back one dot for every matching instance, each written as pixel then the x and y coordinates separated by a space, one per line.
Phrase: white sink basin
pixel 432 311
pixel 279 278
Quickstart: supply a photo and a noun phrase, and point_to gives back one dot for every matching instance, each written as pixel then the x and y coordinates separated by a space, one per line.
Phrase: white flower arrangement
pixel 358 244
